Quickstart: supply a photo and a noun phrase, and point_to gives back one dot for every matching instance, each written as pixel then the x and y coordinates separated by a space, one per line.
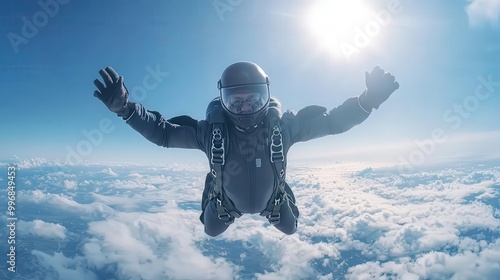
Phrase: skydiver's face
pixel 245 102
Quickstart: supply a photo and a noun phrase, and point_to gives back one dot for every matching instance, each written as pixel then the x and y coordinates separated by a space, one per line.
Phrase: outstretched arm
pixel 179 132
pixel 315 121
pixel 379 86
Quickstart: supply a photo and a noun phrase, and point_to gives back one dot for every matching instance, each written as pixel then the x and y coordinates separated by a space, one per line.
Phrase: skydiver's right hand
pixel 114 93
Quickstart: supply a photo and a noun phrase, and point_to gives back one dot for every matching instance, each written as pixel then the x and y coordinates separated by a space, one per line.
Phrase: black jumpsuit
pixel 248 178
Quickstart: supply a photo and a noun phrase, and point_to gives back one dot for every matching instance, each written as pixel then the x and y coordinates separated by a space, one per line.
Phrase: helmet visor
pixel 245 100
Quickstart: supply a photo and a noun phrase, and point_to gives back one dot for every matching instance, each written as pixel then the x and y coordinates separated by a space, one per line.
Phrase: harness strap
pixel 225 210
pixel 277 156
pixel 217 159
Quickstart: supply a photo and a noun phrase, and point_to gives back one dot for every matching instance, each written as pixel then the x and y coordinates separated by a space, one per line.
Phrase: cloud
pixel 109 172
pixel 153 246
pixel 64 203
pixel 293 257
pixel 131 184
pixel 70 185
pixel 58 266
pixel 31 163
pixel 483 11
pixel 386 216
pixel 42 229
pixel 435 265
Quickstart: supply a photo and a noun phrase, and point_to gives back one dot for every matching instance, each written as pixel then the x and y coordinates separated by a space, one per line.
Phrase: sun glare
pixel 333 21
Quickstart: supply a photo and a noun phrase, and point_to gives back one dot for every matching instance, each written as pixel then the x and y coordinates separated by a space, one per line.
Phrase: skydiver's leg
pixel 213 225
pixel 289 213
pixel 288 217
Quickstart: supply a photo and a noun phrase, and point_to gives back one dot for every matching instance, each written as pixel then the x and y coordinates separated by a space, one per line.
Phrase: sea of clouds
pixel 358 221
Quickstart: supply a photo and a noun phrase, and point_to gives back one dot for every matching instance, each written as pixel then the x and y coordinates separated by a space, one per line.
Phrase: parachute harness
pixel 225 208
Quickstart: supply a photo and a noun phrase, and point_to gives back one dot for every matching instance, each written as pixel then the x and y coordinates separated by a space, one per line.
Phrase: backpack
pixel 220 142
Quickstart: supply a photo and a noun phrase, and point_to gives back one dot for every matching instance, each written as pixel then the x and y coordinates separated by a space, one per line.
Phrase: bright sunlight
pixel 334 21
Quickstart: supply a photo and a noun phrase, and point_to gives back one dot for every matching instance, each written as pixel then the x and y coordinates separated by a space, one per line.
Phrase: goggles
pixel 245 100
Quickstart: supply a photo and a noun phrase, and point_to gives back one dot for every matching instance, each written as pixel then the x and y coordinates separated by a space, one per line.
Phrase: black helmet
pixel 244 93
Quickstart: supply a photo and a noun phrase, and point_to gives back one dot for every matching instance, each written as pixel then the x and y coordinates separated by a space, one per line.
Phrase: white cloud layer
pixel 357 221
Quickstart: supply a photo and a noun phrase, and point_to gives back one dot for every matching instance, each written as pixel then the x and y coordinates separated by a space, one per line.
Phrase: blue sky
pixel 436 49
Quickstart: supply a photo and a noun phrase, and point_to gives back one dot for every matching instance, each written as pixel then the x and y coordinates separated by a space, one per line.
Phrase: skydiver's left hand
pixel 379 86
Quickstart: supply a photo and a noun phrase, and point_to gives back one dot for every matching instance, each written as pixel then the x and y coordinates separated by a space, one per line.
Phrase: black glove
pixel 379 86
pixel 115 94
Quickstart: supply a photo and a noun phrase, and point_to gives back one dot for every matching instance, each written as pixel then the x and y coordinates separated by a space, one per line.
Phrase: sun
pixel 334 21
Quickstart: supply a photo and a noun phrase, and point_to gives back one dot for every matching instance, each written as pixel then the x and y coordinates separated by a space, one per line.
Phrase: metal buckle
pixel 276 149
pixel 277 201
pixel 217 148
pixel 274 219
pixel 217 134
pixel 224 216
